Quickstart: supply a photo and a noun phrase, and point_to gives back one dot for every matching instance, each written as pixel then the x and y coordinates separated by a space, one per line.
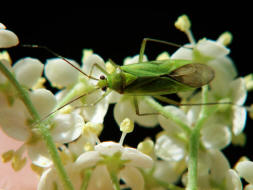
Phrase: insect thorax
pixel 118 80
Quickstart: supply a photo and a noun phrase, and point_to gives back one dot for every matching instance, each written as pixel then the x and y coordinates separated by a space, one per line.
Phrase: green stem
pixel 160 109
pixel 21 91
pixel 194 144
pixel 41 127
pixel 115 181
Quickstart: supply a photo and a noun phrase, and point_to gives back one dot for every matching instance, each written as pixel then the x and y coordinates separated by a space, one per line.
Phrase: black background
pixel 117 32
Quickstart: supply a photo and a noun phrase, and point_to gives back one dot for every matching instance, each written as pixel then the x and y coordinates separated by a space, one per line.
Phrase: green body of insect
pixel 151 78
pixel 157 77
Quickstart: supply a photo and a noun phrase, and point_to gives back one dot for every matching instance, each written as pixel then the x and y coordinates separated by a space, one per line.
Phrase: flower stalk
pixel 194 144
pixel 41 127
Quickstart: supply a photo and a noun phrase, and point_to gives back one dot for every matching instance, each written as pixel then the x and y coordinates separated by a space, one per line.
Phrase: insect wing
pixel 194 75
pixel 154 68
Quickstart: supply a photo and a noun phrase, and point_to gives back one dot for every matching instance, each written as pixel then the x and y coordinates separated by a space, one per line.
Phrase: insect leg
pixel 137 111
pixel 98 67
pixel 97 101
pixel 173 102
pixel 145 40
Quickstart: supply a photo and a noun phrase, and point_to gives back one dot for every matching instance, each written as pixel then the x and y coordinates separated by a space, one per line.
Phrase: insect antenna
pixel 59 108
pixel 57 55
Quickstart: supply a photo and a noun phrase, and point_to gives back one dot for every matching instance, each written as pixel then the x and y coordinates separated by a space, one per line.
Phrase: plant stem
pixel 194 144
pixel 115 181
pixel 160 109
pixel 41 127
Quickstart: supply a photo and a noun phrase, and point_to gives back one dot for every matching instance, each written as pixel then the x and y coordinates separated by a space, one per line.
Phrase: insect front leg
pixel 96 102
pixel 137 110
pixel 99 68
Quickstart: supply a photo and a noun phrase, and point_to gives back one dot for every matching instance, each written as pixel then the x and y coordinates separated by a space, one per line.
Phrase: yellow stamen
pixel 40 83
pixel 7 156
pixel 38 170
pixel 163 56
pixel 225 38
pixel 18 163
pixel 183 23
pixel 109 67
pixel 92 127
pixel 146 147
pixel 126 126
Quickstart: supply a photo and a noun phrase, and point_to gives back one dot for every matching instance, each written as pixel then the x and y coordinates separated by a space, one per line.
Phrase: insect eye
pixel 104 88
pixel 102 77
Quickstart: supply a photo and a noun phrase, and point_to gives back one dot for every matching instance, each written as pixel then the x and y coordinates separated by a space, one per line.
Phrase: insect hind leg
pixel 137 110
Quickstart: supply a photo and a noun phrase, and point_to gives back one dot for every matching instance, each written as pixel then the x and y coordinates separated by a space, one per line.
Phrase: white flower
pixel 245 170
pixel 106 160
pixel 7 37
pixel 6 61
pixel 224 87
pixel 213 134
pixel 61 74
pixel 214 172
pixel 17 123
pixel 28 71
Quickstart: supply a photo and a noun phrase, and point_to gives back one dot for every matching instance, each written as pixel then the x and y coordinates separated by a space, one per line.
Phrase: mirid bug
pixel 150 78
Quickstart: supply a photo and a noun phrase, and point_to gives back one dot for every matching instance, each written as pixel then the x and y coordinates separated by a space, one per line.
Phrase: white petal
pixel 2 26
pixel 216 136
pixel 87 159
pixel 28 71
pixel 233 181
pixel 50 178
pixel 170 126
pixel 60 73
pixel 137 159
pixel 38 153
pixel 13 121
pixel 89 62
pixel 134 59
pixel 8 38
pixel 109 148
pixel 168 171
pixel 113 97
pixel 100 179
pixel 169 149
pixel 211 48
pixel 225 72
pixel 238 91
pixel 147 120
pixel 43 100
pixel 219 165
pixel 67 127
pixel 7 64
pixel 239 119
pixel 245 170
pixel 182 53
pixel 47 180
pixel 132 178
pixel 124 109
pixel 97 112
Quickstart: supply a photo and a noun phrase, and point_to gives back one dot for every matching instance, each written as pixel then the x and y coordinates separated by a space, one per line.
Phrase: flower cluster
pixel 60 132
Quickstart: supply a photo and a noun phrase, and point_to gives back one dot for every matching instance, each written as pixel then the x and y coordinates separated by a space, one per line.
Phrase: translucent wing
pixel 194 75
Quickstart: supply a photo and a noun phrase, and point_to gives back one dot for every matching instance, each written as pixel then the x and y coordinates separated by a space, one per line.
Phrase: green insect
pixel 151 78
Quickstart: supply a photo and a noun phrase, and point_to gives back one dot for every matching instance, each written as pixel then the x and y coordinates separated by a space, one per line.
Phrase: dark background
pixel 117 32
